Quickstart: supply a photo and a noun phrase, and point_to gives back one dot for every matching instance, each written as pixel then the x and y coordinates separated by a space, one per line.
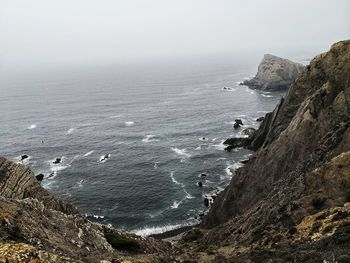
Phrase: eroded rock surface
pixel 274 73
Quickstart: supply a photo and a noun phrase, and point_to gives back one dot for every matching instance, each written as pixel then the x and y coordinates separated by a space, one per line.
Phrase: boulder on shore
pixel 274 73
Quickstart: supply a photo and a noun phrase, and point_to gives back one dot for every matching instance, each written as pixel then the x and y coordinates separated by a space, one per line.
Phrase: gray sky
pixel 80 31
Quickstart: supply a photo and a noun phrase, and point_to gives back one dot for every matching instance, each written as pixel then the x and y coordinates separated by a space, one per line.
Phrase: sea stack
pixel 274 73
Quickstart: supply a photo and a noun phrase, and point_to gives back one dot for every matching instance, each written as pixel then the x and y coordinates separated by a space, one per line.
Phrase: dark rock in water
pixel 275 73
pixel 105 157
pixel 203 175
pixel 239 121
pixel 260 119
pixel 237 143
pixel 249 131
pixel 58 160
pixel 24 156
pixel 244 161
pixel 39 177
pixel 206 201
pixel 236 126
pixel 200 184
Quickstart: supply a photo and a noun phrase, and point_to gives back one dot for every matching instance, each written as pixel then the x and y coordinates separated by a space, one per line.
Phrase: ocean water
pixel 162 127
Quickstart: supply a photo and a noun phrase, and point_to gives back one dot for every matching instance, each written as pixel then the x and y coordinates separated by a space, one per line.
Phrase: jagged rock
pixel 206 201
pixel 250 132
pixel 260 119
pixel 303 156
pixel 274 73
pixel 236 143
pixel 200 184
pixel 30 214
pixel 18 181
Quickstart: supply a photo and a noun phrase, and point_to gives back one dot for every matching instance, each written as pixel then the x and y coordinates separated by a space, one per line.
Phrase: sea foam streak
pixel 31 127
pixel 187 194
pixel 70 130
pixel 181 152
pixel 232 167
pixel 88 153
pixel 150 138
pixel 129 123
pixel 160 229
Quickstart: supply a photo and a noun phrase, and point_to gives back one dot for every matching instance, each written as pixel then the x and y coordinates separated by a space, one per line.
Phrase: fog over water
pixel 41 33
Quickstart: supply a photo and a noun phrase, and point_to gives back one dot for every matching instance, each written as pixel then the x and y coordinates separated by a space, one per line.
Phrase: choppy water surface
pixel 162 127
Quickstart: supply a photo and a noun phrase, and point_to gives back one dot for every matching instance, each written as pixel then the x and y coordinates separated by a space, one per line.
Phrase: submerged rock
pixel 274 73
pixel 39 177
pixel 57 161
pixel 24 156
pixel 249 132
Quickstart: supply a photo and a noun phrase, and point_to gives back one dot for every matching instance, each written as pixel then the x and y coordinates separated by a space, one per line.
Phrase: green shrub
pixel 120 241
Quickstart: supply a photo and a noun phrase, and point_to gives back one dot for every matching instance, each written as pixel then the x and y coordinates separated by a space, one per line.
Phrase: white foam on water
pixel 266 95
pixel 25 161
pixel 70 130
pixel 176 204
pixel 88 153
pixel 31 127
pixel 232 167
pixel 114 116
pixel 187 194
pixel 181 152
pixel 220 146
pixel 159 229
pixel 150 138
pixel 155 165
pixel 129 123
pixel 104 158
pixel 174 180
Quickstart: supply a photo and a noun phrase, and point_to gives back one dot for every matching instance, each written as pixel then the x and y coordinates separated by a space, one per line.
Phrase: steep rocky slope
pixel 274 73
pixel 48 229
pixel 302 165
pixel 289 203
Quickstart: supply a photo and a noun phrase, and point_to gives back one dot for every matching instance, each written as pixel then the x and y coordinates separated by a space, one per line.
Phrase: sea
pixel 133 140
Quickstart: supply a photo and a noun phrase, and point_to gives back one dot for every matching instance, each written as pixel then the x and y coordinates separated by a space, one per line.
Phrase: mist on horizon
pixel 36 33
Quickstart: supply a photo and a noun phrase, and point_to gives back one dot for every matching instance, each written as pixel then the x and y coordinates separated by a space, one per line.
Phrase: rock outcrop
pixel 290 202
pixel 302 166
pixel 274 73
pixel 36 224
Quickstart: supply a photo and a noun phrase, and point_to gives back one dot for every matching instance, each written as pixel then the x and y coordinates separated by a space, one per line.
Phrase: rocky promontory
pixel 274 73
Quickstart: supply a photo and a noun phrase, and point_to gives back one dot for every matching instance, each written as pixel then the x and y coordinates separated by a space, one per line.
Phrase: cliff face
pixel 274 73
pixel 302 166
pixel 289 203
pixel 19 182
pixel 35 224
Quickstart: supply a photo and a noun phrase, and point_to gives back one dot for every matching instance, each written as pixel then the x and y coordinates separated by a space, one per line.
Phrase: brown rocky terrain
pixel 289 203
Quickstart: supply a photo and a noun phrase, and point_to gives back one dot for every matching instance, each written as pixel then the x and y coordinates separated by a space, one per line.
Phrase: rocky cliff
pixel 35 225
pixel 274 73
pixel 289 203
pixel 301 167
